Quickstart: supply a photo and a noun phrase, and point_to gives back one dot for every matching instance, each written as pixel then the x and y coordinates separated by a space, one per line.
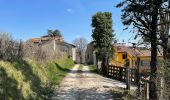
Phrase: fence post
pixel 146 90
pixel 138 76
pixel 113 71
pixel 127 74
pixel 120 74
pixel 147 94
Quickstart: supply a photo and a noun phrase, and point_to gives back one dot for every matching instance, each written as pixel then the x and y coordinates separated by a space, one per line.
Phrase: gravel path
pixel 84 85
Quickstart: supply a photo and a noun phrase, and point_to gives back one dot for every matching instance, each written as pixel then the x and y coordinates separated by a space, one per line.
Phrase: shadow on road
pixel 86 94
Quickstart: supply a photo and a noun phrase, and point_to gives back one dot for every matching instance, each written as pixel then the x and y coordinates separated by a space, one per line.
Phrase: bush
pixel 22 78
pixel 167 82
pixel 10 49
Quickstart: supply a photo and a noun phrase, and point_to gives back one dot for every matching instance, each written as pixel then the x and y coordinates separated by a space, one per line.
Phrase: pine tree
pixel 144 16
pixel 54 33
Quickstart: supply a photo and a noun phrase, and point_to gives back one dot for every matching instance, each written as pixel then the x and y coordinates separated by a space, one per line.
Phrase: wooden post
pixel 147 94
pixel 127 74
pixel 113 71
pixel 138 76
pixel 146 90
pixel 120 74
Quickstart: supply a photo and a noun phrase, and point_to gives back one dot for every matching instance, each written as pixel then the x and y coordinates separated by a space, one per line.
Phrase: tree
pixel 164 32
pixel 144 16
pixel 81 44
pixel 54 33
pixel 9 49
pixel 20 49
pixel 163 42
pixel 102 35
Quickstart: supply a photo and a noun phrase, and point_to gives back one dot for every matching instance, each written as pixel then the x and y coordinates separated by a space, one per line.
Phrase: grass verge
pixel 81 68
pixel 93 69
pixel 27 79
pixel 58 70
pixel 123 94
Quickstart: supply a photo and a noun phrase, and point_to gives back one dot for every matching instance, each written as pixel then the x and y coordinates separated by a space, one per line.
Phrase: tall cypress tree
pixel 103 35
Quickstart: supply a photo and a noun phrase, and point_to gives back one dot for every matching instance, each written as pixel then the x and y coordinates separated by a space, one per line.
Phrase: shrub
pixel 10 49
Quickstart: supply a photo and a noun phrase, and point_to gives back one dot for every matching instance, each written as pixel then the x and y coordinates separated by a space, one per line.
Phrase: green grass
pixel 58 70
pixel 122 94
pixel 26 79
pixel 81 68
pixel 93 69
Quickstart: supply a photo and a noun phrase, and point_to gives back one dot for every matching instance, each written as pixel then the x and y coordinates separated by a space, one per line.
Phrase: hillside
pixel 27 79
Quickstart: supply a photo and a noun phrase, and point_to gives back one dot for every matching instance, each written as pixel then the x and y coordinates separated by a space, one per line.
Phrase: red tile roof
pixel 37 40
pixel 134 51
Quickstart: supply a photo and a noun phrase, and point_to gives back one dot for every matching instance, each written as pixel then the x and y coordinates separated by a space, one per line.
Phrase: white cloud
pixel 69 10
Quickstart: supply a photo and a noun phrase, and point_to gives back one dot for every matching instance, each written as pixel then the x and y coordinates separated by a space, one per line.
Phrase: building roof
pixel 44 38
pixel 127 49
pixel 34 40
pixel 134 51
pixel 65 43
pixel 148 53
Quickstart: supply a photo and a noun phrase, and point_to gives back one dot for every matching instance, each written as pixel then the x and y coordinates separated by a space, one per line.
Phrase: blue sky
pixel 26 19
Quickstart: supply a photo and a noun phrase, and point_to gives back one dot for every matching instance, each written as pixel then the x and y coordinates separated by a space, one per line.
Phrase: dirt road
pixel 84 85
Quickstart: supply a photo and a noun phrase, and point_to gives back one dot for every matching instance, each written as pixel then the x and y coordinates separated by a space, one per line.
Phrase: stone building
pixel 52 45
